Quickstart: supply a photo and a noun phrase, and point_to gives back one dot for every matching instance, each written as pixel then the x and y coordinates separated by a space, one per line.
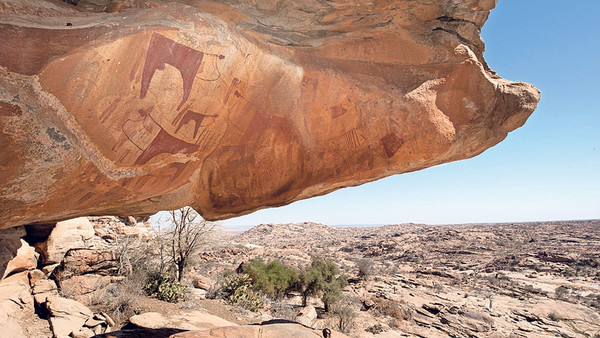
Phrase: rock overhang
pixel 231 107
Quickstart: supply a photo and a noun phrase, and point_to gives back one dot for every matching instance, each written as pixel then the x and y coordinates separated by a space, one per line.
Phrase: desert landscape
pixel 407 280
pixel 114 110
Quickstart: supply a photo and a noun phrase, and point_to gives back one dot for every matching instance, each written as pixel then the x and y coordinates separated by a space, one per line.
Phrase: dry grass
pixel 396 309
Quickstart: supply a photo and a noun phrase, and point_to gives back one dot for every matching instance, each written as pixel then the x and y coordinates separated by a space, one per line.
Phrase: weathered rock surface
pixel 185 320
pixel 239 105
pixel 15 296
pixel 307 316
pixel 67 315
pixel 26 259
pixel 70 234
pixel 10 242
pixel 264 330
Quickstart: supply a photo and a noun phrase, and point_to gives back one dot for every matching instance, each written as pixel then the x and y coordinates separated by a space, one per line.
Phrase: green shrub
pixel 319 278
pixel 332 291
pixel 273 279
pixel 237 289
pixel 165 287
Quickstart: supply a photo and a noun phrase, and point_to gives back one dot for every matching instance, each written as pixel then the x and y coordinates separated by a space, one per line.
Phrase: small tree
pixel 320 278
pixel 185 232
pixel 332 292
pixel 273 279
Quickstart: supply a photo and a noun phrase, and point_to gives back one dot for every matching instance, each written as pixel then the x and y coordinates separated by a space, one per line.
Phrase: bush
pixel 561 291
pixel 320 279
pixel 395 309
pixel 366 267
pixel 332 291
pixel 281 310
pixel 346 316
pixel 119 300
pixel 273 279
pixel 553 316
pixel 375 329
pixel 237 289
pixel 165 287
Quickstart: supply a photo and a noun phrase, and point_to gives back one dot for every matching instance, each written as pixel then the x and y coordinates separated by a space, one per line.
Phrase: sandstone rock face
pixel 10 242
pixel 66 235
pixel 264 330
pixel 307 316
pixel 184 320
pixel 237 105
pixel 15 295
pixel 67 315
pixel 26 259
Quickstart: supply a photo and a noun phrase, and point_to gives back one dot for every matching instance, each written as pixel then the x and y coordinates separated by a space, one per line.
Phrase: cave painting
pixel 391 144
pixel 143 130
pixel 198 119
pixel 163 51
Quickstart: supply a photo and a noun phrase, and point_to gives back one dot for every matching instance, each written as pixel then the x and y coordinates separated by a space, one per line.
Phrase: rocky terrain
pixel 408 280
pixel 81 278
pixel 480 280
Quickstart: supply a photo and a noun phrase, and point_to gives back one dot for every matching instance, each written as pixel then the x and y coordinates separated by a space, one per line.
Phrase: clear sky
pixel 547 170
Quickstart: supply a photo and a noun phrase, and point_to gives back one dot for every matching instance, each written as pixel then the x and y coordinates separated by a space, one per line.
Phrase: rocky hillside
pixel 479 280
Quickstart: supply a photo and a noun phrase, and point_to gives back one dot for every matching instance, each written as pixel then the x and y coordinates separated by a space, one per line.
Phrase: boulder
pixel 202 282
pixel 66 315
pixel 10 242
pixel 35 275
pixel 26 259
pixel 183 319
pixel 15 297
pixel 42 290
pixel 307 316
pixel 86 288
pixel 16 289
pixel 149 320
pixel 84 332
pixel 231 107
pixel 263 330
pixel 66 235
pixel 110 228
pixel 78 262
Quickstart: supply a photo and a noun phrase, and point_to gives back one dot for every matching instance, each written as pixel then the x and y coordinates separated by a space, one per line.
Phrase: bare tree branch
pixel 187 232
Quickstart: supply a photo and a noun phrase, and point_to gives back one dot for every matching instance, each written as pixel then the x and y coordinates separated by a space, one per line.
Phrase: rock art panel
pixel 231 108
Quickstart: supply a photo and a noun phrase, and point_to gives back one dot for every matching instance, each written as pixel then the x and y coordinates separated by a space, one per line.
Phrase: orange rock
pixel 235 107
pixel 25 259
pixel 271 329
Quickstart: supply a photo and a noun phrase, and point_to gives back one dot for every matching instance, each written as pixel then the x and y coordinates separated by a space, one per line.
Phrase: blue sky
pixel 547 170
